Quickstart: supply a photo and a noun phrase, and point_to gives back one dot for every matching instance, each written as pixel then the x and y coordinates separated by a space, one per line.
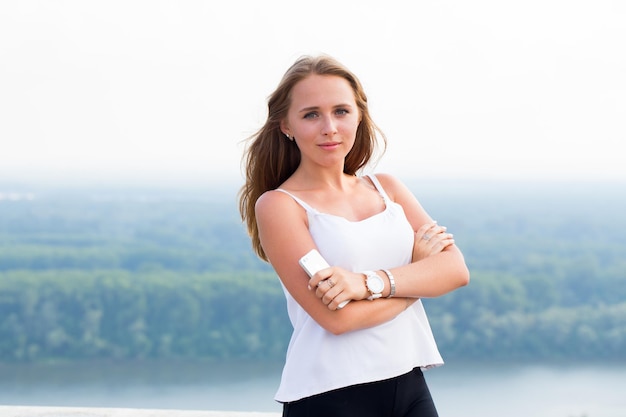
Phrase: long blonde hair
pixel 270 158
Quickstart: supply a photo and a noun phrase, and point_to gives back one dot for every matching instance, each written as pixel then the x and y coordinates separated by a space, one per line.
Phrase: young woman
pixel 305 189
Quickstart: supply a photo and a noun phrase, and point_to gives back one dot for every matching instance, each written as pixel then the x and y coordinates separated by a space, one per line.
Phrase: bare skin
pixel 323 118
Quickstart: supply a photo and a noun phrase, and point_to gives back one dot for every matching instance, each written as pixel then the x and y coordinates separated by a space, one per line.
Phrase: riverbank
pixel 39 411
pixel 515 390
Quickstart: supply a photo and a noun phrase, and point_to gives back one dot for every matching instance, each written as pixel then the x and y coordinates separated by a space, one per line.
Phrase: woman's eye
pixel 342 112
pixel 310 115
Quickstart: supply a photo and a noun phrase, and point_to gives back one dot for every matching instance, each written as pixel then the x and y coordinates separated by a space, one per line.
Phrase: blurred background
pixel 142 89
pixel 126 276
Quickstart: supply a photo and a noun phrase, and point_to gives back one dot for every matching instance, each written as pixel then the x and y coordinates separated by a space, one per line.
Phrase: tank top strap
pixel 379 187
pixel 304 205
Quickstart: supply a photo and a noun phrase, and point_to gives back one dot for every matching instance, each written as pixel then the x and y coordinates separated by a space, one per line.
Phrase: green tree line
pixel 169 273
pixel 118 314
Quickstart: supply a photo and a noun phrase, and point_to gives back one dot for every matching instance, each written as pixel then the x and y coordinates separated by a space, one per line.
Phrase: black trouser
pixel 403 396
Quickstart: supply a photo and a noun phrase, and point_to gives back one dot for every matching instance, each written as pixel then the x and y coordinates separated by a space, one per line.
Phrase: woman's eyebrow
pixel 313 108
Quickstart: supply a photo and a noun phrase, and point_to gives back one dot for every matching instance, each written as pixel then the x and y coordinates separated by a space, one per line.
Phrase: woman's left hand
pixel 429 240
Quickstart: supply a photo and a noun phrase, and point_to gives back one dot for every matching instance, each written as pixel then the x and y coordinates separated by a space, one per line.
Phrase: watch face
pixel 375 283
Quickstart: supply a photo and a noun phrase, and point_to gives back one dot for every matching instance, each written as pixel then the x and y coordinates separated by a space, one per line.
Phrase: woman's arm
pixel 441 271
pixel 437 267
pixel 285 237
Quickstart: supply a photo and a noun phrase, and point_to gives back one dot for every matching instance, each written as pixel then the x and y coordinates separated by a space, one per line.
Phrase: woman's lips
pixel 329 145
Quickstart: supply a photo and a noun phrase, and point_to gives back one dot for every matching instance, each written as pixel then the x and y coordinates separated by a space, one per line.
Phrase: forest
pixel 158 272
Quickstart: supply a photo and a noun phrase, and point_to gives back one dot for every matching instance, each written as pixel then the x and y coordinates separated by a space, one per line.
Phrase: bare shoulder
pixel 283 233
pixel 393 186
pixel 277 204
pixel 401 194
pixel 271 200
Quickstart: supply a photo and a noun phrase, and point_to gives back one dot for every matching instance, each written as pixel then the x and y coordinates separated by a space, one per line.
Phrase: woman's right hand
pixel 335 285
pixel 429 240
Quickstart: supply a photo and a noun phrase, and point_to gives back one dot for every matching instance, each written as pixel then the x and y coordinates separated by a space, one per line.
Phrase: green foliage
pixel 130 230
pixel 548 270
pixel 114 313
pixel 163 274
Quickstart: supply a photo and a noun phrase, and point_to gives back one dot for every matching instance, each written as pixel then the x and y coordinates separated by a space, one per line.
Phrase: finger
pixel 439 237
pixel 329 296
pixel 426 231
pixel 444 243
pixel 323 287
pixel 437 230
pixel 424 228
pixel 448 242
pixel 319 276
pixel 436 234
pixel 331 290
pixel 326 299
pixel 338 302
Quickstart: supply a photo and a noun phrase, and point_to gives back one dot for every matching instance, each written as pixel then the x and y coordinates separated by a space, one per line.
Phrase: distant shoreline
pixel 22 185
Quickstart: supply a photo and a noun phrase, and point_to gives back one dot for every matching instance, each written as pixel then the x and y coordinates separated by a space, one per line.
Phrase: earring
pixel 289 137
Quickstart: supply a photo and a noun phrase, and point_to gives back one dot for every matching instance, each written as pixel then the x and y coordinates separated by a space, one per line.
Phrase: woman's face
pixel 323 118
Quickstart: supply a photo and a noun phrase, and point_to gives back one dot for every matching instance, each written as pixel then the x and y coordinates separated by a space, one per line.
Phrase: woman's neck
pixel 318 179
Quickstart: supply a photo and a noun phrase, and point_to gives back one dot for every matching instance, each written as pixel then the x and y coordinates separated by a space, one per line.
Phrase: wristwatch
pixel 375 284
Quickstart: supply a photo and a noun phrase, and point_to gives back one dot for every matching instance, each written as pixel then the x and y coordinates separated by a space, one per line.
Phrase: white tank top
pixel 318 361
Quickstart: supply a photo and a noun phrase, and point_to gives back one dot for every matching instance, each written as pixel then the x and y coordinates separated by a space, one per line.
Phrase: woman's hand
pixel 429 240
pixel 335 285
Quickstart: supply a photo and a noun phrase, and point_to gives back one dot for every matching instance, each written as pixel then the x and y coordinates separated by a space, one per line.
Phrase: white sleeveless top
pixel 318 361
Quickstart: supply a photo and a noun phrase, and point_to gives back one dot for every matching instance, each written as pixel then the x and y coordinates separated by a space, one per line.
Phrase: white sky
pixel 125 89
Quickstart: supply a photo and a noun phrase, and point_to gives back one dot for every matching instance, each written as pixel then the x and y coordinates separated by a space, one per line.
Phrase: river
pixel 459 389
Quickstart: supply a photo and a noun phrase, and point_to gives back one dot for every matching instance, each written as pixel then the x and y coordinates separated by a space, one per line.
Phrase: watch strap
pixel 392 283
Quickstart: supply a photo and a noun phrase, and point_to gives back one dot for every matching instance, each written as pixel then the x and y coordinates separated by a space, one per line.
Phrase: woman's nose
pixel 329 127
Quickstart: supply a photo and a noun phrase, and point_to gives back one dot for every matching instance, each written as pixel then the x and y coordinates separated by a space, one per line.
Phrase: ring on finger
pixel 330 283
pixel 426 237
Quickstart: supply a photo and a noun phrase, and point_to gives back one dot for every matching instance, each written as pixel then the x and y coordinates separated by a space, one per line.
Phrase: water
pixel 460 390
pixel 186 385
pixel 524 390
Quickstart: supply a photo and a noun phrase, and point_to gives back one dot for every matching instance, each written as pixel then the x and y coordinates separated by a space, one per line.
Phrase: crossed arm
pixel 438 266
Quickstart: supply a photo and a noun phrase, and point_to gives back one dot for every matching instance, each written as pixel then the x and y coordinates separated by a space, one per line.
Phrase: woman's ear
pixel 284 128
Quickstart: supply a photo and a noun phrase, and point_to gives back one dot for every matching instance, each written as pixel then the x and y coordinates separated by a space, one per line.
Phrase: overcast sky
pixel 167 90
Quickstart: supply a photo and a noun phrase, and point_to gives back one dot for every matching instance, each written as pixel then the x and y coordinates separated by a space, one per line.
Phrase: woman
pixel 303 191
